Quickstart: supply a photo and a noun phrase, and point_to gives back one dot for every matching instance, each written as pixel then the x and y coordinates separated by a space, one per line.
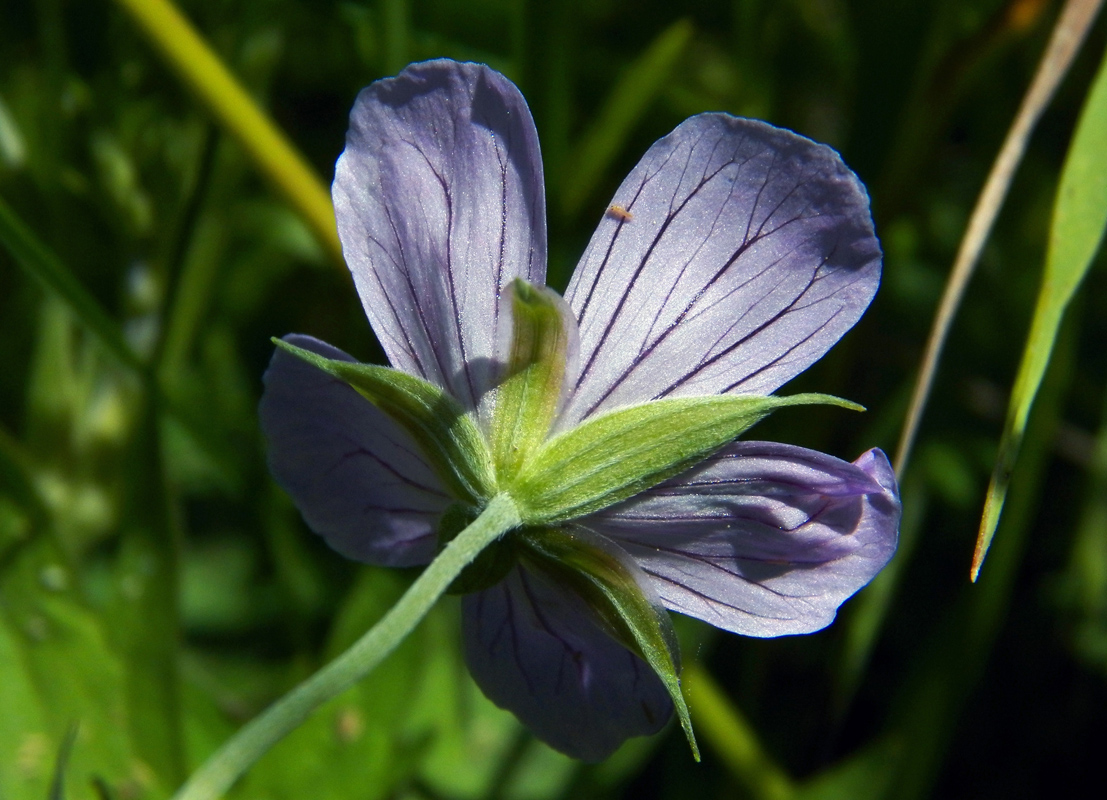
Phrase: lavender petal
pixel 440 205
pixel 739 255
pixel 356 476
pixel 536 650
pixel 762 539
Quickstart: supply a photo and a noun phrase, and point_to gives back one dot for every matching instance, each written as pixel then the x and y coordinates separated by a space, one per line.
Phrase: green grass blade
pixel 865 775
pixel 1079 218
pixel 17 480
pixel 144 618
pixel 868 613
pixel 629 100
pixel 45 267
pixel 939 687
pixel 1083 587
pixel 57 786
pixel 733 738
pixel 276 158
pixel 397 35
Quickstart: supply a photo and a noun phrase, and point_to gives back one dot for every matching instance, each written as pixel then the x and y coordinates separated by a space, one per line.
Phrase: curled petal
pixel 440 205
pixel 356 476
pixel 741 254
pixel 536 649
pixel 762 539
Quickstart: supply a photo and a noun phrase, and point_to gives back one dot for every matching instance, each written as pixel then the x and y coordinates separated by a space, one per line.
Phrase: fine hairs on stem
pixel 232 760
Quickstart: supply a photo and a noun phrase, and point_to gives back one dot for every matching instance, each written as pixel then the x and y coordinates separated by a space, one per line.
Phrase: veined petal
pixel 440 205
pixel 536 649
pixel 739 255
pixel 356 476
pixel 762 539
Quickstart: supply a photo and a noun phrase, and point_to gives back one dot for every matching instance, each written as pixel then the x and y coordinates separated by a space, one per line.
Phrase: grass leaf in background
pixel 1083 586
pixel 637 87
pixel 866 775
pixel 45 267
pixel 868 613
pixel 144 621
pixel 57 786
pixel 1079 219
pixel 56 669
pixel 733 738
pixel 203 72
pixel 933 696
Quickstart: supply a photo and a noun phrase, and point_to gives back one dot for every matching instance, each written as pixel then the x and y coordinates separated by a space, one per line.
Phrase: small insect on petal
pixel 619 213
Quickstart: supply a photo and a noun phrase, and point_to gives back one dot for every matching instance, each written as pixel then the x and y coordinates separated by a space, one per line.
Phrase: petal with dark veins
pixel 535 649
pixel 440 205
pixel 762 539
pixel 745 254
pixel 356 476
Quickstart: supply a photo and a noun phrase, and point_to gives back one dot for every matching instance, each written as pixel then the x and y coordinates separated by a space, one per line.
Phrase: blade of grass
pixel 45 268
pixel 1079 220
pixel 1072 27
pixel 1086 575
pixel 624 108
pixel 397 35
pixel 144 618
pixel 18 481
pixel 864 775
pixel 866 617
pixel 57 785
pixel 732 737
pixel 42 265
pixel 933 697
pixel 205 74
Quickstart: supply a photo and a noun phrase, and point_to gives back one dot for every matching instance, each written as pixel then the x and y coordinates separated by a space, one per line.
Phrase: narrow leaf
pixel 143 618
pixel 617 455
pixel 642 81
pixel 45 267
pixel 734 738
pixel 201 70
pixel 1079 219
pixel 447 435
pixel 57 786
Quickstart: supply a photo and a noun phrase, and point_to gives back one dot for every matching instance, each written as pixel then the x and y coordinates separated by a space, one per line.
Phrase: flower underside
pixel 610 417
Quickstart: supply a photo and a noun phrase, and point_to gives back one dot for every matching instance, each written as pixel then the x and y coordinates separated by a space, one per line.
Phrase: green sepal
pixel 528 396
pixel 445 433
pixel 617 455
pixel 605 578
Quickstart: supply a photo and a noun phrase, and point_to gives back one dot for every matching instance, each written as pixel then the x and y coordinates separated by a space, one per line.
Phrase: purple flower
pixel 731 258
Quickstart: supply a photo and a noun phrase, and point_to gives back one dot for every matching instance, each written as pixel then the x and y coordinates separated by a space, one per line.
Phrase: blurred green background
pixel 157 589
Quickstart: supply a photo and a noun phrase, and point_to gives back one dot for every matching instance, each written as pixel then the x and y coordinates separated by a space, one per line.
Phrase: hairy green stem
pixel 255 739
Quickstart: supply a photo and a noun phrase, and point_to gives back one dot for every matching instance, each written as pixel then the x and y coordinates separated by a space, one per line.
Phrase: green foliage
pixel 613 456
pixel 1079 220
pixel 157 590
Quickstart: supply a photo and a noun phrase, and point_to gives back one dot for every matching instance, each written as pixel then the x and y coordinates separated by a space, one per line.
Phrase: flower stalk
pixel 220 771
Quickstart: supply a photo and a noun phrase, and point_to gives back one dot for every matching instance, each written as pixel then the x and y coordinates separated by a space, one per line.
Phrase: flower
pixel 731 258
